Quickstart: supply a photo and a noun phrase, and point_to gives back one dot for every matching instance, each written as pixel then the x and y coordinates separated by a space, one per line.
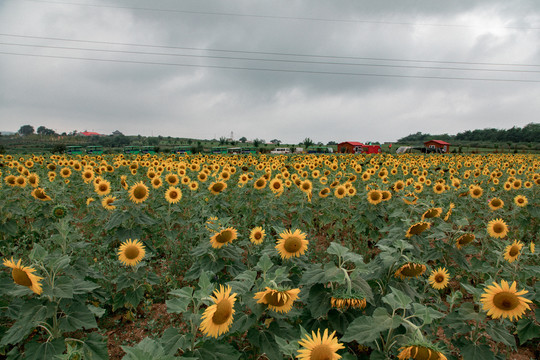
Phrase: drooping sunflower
pixel 410 270
pixel 449 212
pixel 432 213
pixel 138 193
pixel 422 351
pixel 439 278
pixel 39 194
pixel 223 237
pixel 23 275
pixel 410 198
pixel 464 240
pixel 317 347
pixel 291 244
pixel 279 300
pixel 217 187
pixel 108 201
pixel 497 228
pixel 217 318
pixel 521 201
pixel 512 252
pixel 257 235
pixel 417 229
pixel 173 195
pixel 374 197
pixel 504 301
pixel 345 301
pixel 131 252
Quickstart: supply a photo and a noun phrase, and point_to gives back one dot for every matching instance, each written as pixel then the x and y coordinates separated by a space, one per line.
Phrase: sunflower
pixel 439 188
pixel 410 270
pixel 131 252
pixel 374 197
pixel 475 191
pixel 217 187
pixel 257 235
pixel 39 194
pixel 65 172
pixel 277 300
pixel 88 175
pixel 344 302
pixel 102 188
pixel 324 192
pixel 156 182
pixel 23 275
pixel 386 195
pixel 496 204
pixel 410 199
pixel 464 240
pixel 503 300
pixel 223 237
pixel 59 211
pixel 276 185
pixel 138 193
pixel 432 213
pixel 512 252
pixel 123 182
pixel 398 185
pixel 449 212
pixel 291 244
pixel 217 318
pixel 497 228
pixel 173 195
pixel 521 201
pixel 306 186
pixel 317 347
pixel 108 201
pixel 260 183
pixel 439 278
pixel 89 201
pixel 340 192
pixel 193 186
pixel 172 179
pixel 421 352
pixel 417 229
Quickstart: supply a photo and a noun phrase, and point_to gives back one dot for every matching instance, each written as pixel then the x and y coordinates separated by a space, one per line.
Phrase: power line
pixel 268 60
pixel 279 17
pixel 269 53
pixel 272 70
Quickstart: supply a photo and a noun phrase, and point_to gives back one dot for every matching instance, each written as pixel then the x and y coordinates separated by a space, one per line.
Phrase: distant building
pixel 116 132
pixel 349 147
pixel 89 133
pixel 438 145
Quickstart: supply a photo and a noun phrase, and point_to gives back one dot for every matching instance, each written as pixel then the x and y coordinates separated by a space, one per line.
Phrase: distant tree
pixel 152 141
pixel 116 132
pixel 26 130
pixel 223 140
pixel 307 142
pixel 320 143
pixel 275 141
pixel 243 139
pixel 331 143
pixel 42 130
pixel 58 148
pixel 258 142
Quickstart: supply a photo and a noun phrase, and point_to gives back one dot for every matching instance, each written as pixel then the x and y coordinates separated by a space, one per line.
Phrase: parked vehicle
pixel 94 150
pixel 74 150
pixel 132 150
pixel 281 151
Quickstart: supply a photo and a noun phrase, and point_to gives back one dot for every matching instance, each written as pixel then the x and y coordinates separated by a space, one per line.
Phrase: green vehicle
pixel 249 150
pixel 74 150
pixel 148 150
pixel 183 150
pixel 219 150
pixel 94 150
pixel 132 150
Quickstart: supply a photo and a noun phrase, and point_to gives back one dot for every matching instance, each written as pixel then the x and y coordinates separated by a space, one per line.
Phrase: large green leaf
pixel 426 313
pixel 366 329
pixel 77 316
pixel 44 351
pixel 95 347
pixel 319 301
pixel 397 299
pixel 527 330
pixel 265 341
pixel 216 350
pixel 477 352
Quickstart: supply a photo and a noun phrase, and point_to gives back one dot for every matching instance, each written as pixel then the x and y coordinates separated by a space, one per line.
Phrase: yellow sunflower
pixel 39 194
pixel 277 300
pixel 475 191
pixel 496 204
pixel 344 302
pixel 217 187
pixel 102 188
pixel 374 197
pixel 439 188
pixel 464 240
pixel 260 183
pixel 317 347
pixel 410 199
pixel 449 212
pixel 223 237
pixel 340 192
pixel 108 201
pixel 138 193
pixel 257 235
pixel 432 213
pixel 417 229
pixel 131 252
pixel 410 270
pixel 521 201
pixel 439 278
pixel 173 195
pixel 497 228
pixel 291 244
pixel 217 318
pixel 23 275
pixel 504 301
pixel 324 192
pixel 512 252
pixel 276 185
pixel 420 352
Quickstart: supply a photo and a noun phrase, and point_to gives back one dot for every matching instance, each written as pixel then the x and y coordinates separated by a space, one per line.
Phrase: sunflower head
pixel 421 351
pixel 224 237
pixel 496 204
pixel 59 211
pixel 504 301
pixel 464 240
pixel 173 195
pixel 131 252
pixel 374 197
pixel 138 193
pixel 257 235
pixel 439 278
pixel 217 187
pixel 512 252
pixel 497 228
pixel 417 229
pixel 432 213
pixel 24 275
pixel 319 347
pixel 279 300
pixel 343 301
pixel 217 318
pixel 410 270
pixel 521 200
pixel 291 244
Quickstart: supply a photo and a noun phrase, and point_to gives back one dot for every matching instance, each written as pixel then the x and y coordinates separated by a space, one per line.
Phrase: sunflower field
pixel 270 257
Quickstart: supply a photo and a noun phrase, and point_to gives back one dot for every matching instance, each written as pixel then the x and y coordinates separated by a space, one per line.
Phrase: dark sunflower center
pixel 477 192
pixel 431 213
pixel 87 175
pixel 257 236
pixel 103 187
pixel 277 185
pixel 40 194
pixel 322 352
pixel 514 251
pixel 224 237
pixel 293 244
pixel 59 212
pixel 375 196
pixel 217 187
pixel 520 200
pixel 260 183
pixel 223 312
pixel 412 270
pixel 173 195
pixel 498 228
pixel 139 192
pixel 465 239
pixel 496 202
pixel 306 186
pixel 439 278
pixel 273 299
pixel 505 301
pixel 131 252
pixel 417 229
pixel 21 277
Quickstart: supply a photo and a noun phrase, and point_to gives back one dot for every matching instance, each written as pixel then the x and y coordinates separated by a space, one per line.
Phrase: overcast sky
pixel 281 69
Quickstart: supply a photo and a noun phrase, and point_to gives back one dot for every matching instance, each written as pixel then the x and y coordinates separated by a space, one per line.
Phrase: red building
pixel 438 144
pixel 350 147
pixel 89 133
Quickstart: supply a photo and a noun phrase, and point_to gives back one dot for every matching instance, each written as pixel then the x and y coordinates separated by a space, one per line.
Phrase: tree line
pixel 529 133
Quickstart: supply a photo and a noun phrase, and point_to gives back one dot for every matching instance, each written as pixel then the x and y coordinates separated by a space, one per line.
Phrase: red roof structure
pixel 350 147
pixel 89 133
pixel 439 145
pixel 440 142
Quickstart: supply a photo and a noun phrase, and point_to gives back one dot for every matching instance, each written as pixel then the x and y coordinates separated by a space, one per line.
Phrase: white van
pixel 281 151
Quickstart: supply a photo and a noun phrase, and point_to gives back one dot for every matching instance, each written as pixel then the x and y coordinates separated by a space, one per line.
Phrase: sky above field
pixel 347 70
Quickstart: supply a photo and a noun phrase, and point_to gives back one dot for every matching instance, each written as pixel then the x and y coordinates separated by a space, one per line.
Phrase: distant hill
pixel 7 133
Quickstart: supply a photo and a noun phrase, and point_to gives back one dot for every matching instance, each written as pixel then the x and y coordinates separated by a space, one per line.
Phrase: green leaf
pixel 77 316
pixel 172 340
pixel 147 349
pixel 334 274
pixel 319 301
pixel 63 288
pixel 397 299
pixel 97 311
pixel 287 348
pixel 38 253
pixel 265 263
pixel 244 281
pixel 477 352
pixel 180 304
pixel 134 297
pixel 81 286
pixel 44 351
pixel 216 350
pixel 337 249
pixel 527 330
pixel 426 313
pixel 472 290
pixel 501 334
pixel 313 275
pixel 95 347
pixel 264 340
